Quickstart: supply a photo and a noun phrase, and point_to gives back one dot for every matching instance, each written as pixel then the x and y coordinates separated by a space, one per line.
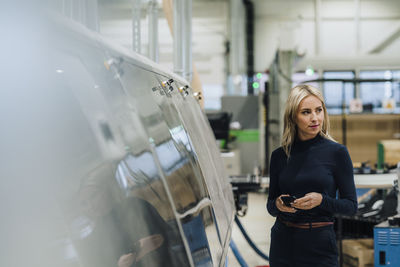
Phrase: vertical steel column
pixel 285 63
pixel 234 36
pixel 266 129
pixel 357 25
pixel 237 49
pixel 344 122
pixel 249 16
pixel 187 39
pixel 357 93
pixel 178 40
pixel 317 15
pixel 152 11
pixel 136 15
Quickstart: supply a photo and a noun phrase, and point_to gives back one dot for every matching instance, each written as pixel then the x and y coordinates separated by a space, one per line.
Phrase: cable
pixel 251 243
pixel 237 254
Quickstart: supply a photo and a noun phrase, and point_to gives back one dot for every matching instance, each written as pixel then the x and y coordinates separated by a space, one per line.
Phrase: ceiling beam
pixel 387 41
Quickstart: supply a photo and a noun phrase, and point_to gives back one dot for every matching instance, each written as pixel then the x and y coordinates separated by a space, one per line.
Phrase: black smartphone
pixel 288 199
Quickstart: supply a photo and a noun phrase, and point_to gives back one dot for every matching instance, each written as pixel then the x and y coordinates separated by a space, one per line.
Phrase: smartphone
pixel 288 199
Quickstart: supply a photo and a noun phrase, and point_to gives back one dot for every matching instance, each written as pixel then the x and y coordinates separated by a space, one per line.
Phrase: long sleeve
pixel 344 178
pixel 274 191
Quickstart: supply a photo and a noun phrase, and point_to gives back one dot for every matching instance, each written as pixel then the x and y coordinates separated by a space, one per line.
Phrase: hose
pixel 237 254
pixel 251 243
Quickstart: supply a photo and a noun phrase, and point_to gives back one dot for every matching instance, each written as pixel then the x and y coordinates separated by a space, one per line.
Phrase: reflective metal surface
pixel 102 164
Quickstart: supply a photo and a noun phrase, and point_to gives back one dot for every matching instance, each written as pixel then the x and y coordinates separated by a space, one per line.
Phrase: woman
pixel 312 167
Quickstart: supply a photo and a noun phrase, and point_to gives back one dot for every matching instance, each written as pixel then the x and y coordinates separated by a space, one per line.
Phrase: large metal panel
pixel 97 168
pixel 211 165
pixel 175 155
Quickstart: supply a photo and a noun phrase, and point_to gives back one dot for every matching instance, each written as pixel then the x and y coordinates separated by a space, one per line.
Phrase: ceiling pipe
pixel 187 40
pixel 152 10
pixel 178 36
pixel 136 15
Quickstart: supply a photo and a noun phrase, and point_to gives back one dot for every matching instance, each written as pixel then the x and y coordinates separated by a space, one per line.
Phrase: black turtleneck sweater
pixel 316 165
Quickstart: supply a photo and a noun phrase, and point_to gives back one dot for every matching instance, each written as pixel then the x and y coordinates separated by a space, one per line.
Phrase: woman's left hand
pixel 309 201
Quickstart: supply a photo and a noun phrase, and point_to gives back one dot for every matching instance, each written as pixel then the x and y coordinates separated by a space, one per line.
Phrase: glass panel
pixel 374 93
pixel 333 91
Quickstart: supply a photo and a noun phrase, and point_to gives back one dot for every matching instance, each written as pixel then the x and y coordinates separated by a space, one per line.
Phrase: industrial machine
pixel 106 159
pixel 387 242
pixel 387 235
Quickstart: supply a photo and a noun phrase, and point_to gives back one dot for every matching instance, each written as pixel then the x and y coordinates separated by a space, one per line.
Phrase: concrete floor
pixel 257 223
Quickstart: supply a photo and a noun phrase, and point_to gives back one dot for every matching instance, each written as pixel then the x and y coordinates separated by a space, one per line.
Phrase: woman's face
pixel 309 118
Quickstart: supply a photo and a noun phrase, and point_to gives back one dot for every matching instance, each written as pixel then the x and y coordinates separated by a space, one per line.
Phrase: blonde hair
pixel 297 94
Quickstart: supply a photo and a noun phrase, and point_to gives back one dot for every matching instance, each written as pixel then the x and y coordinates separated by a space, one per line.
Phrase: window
pixel 375 93
pixel 333 91
pixel 301 76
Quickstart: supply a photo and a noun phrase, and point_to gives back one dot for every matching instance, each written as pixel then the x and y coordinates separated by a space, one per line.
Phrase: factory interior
pixel 141 132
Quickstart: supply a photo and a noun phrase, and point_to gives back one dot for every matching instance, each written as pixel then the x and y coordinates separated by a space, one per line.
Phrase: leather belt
pixel 307 225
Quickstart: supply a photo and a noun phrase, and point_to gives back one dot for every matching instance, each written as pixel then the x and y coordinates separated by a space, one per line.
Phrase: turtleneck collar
pixel 299 145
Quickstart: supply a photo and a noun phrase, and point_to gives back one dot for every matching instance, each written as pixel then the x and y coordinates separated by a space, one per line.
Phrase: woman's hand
pixel 126 260
pixel 282 207
pixel 309 201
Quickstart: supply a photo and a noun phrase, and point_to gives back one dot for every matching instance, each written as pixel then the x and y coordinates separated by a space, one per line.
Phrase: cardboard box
pixel 388 152
pixel 358 252
pixel 363 132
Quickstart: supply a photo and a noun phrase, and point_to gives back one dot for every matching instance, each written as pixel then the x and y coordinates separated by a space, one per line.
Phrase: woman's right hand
pixel 282 207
